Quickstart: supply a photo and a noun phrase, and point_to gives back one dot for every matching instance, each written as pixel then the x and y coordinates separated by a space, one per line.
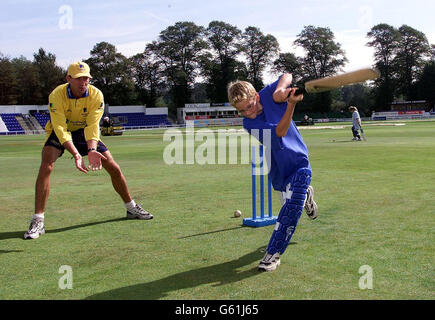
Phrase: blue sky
pixel 70 29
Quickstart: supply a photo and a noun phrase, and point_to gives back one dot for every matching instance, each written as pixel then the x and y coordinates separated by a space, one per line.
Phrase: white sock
pixel 38 216
pixel 130 205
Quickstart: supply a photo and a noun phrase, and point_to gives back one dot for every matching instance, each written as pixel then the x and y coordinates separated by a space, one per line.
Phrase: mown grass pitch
pixel 376 208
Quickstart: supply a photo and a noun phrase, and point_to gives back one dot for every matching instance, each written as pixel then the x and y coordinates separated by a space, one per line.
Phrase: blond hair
pixel 239 91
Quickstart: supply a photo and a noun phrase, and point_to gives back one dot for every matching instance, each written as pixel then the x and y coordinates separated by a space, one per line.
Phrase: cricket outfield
pixel 373 239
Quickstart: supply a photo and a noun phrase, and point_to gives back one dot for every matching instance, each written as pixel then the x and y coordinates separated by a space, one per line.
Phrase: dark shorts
pixel 78 138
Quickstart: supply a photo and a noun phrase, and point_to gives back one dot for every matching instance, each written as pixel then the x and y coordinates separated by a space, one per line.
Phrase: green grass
pixel 376 207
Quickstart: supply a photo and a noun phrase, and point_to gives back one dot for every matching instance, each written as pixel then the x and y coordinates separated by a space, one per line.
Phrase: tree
pixel 259 49
pixel 359 95
pixel 7 81
pixel 49 74
pixel 223 38
pixel 323 57
pixel 288 63
pixel 110 73
pixel 412 52
pixel 147 77
pixel 28 84
pixel 385 40
pixel 179 50
pixel 426 84
pixel 219 66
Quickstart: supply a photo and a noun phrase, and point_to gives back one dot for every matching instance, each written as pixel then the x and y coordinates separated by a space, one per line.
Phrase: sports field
pixel 376 208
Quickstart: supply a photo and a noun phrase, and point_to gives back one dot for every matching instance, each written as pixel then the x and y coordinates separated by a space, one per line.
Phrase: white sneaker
pixel 269 262
pixel 35 230
pixel 138 213
pixel 310 204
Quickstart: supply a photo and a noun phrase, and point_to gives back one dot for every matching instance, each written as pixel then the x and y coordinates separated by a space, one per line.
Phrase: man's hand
pixel 94 158
pixel 80 164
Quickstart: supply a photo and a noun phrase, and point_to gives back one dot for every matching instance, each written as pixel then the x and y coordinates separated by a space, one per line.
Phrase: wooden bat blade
pixel 363 134
pixel 337 81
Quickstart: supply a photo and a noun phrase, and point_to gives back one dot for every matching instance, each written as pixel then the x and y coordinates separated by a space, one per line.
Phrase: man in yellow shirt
pixel 75 112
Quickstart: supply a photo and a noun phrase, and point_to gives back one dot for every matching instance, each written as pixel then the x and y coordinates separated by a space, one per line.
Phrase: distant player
pixel 290 171
pixel 75 112
pixel 356 123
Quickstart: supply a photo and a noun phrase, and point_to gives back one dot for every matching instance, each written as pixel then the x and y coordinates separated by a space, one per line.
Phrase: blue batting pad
pixel 290 212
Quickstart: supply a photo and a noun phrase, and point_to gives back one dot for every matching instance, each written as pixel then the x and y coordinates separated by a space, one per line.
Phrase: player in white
pixel 356 123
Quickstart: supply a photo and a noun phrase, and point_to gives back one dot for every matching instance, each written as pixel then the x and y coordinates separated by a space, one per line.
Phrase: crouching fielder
pixel 290 171
pixel 75 109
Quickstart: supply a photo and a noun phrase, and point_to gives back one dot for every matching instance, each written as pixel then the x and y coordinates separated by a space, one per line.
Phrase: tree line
pixel 188 63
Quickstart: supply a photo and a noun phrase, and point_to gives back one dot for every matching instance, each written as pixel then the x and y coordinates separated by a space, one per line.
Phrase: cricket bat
pixel 337 81
pixel 363 134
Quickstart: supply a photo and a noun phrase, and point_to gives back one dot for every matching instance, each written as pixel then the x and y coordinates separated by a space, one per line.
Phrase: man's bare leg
pixel 118 180
pixel 134 211
pixel 42 186
pixel 42 190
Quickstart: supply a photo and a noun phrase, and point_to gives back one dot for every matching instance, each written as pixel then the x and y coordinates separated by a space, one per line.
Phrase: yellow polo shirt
pixel 69 114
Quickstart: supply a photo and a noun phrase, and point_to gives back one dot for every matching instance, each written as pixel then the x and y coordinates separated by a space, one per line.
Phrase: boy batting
pixel 290 170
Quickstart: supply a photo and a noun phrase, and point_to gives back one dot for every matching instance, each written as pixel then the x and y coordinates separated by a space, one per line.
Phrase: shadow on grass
pixel 210 232
pixel 9 251
pixel 343 141
pixel 20 234
pixel 218 275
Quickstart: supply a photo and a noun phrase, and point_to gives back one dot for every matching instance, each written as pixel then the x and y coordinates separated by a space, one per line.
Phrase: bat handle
pixel 297 92
pixel 300 91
